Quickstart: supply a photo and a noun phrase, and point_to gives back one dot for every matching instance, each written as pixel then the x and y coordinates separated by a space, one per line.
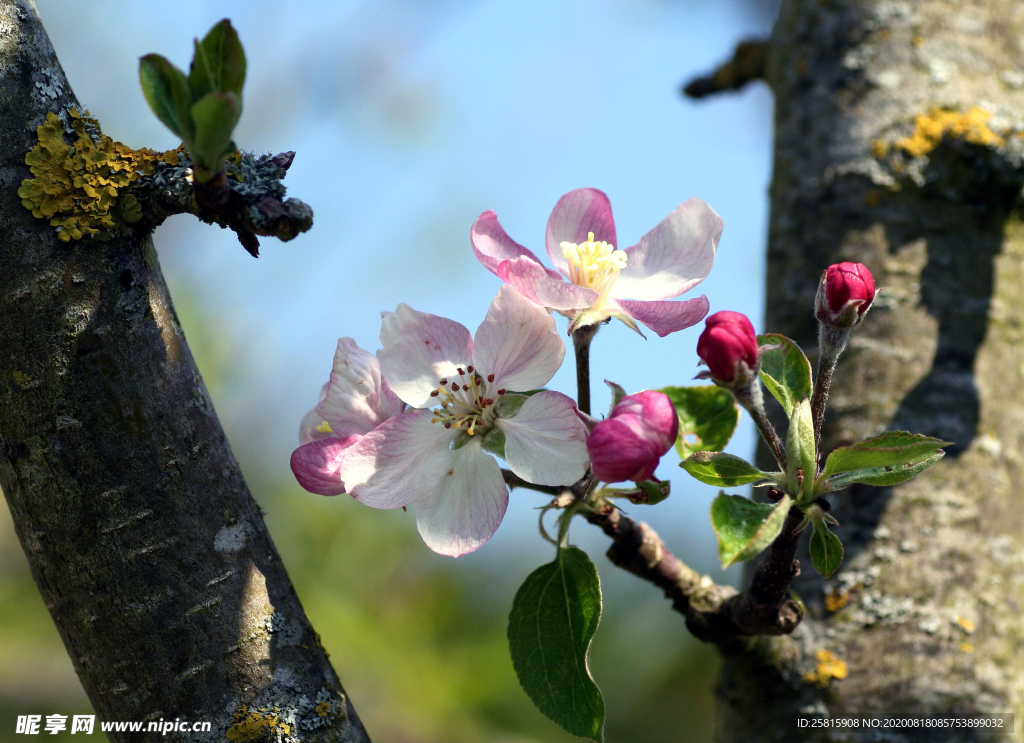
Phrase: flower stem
pixel 831 343
pixel 751 399
pixel 515 481
pixel 581 338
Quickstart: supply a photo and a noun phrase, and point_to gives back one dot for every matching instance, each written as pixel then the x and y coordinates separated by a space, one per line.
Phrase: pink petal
pixel 420 349
pixel 316 465
pixel 546 442
pixel 517 342
pixel 531 280
pixel 399 462
pixel 357 399
pixel 667 317
pixel 577 213
pixel 620 452
pixel 466 506
pixel 673 257
pixel 492 245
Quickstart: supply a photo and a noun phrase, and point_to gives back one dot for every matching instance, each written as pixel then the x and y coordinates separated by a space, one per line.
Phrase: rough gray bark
pixel 148 549
pixel 933 577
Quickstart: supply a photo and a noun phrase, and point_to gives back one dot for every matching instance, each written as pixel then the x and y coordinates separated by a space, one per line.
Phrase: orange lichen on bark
pixel 82 187
pixel 829 667
pixel 930 128
pixel 250 725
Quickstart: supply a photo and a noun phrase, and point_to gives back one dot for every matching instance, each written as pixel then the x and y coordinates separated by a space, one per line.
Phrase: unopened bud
pixel 845 293
pixel 630 443
pixel 728 346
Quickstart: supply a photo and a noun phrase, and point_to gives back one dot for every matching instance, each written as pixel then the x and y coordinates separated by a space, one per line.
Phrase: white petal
pixel 398 462
pixel 546 442
pixel 517 342
pixel 418 350
pixel 466 507
pixel 356 401
pixel 312 421
pixel 673 257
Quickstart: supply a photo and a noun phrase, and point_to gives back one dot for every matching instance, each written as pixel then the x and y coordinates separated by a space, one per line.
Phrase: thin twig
pixel 747 64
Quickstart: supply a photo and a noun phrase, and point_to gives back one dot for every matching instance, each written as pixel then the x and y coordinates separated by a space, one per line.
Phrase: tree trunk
pixel 150 553
pixel 925 610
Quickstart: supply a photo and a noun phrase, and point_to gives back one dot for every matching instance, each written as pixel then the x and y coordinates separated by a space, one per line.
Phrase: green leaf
pixel 745 528
pixel 879 476
pixel 890 449
pixel 785 370
pixel 167 92
pixel 218 65
pixel 707 417
pixel 722 470
pixel 826 550
pixel 215 116
pixel 800 456
pixel 554 617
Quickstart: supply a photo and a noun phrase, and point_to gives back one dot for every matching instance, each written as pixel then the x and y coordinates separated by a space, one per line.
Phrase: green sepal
pixel 218 65
pixel 554 617
pixel 723 470
pixel 826 549
pixel 800 452
pixel 707 417
pixel 743 527
pixel 168 94
pixel 785 370
pixel 508 405
pixel 618 392
pixel 650 492
pixel 494 442
pixel 889 449
pixel 215 116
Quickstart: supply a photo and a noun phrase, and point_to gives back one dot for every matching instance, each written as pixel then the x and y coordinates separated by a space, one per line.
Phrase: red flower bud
pixel 844 294
pixel 727 342
pixel 629 444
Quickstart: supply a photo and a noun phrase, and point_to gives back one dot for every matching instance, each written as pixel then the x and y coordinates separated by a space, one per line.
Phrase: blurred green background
pixel 410 118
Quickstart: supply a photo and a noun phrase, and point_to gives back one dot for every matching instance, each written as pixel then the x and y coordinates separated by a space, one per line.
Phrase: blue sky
pixel 410 118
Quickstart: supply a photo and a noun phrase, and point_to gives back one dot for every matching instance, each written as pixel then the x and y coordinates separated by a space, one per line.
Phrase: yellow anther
pixel 324 427
pixel 594 264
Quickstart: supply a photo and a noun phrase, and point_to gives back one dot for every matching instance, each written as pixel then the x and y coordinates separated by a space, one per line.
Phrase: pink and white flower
pixel 353 402
pixel 434 458
pixel 668 261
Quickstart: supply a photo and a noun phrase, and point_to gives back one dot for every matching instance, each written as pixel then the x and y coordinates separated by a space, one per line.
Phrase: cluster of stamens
pixel 594 264
pixel 467 403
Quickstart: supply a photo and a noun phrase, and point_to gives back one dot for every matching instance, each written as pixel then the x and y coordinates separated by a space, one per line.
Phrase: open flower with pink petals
pixel 354 401
pixel 435 458
pixel 601 281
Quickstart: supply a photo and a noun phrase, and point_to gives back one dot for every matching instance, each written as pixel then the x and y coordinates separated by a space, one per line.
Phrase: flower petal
pixel 492 245
pixel 667 317
pixel 467 505
pixel 673 257
pixel 312 421
pixel 357 399
pixel 316 464
pixel 418 350
pixel 517 342
pixel 546 442
pixel 577 213
pixel 532 281
pixel 399 462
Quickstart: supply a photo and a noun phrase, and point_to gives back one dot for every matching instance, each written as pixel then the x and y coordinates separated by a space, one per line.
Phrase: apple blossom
pixel 353 402
pixel 668 261
pixel 629 444
pixel 434 458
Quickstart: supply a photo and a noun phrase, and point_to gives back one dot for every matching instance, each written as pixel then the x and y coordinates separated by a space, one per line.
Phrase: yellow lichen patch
pixel 879 148
pixel 323 709
pixel 836 601
pixel 965 624
pixel 82 187
pixel 967 647
pixel 930 128
pixel 829 667
pixel 249 725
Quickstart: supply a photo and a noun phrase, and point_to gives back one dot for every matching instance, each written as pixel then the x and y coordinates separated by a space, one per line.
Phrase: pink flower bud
pixel 727 343
pixel 629 444
pixel 844 294
pixel 316 464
